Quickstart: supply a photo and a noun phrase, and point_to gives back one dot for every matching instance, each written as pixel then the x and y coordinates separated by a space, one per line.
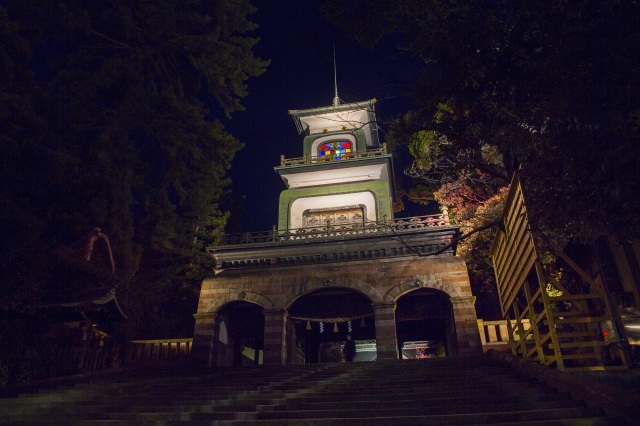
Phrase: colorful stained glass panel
pixel 335 150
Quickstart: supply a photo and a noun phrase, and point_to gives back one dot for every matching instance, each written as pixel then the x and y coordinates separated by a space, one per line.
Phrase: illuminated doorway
pixel 425 325
pixel 323 318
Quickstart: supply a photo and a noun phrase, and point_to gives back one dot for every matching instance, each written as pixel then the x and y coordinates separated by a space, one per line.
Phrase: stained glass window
pixel 335 150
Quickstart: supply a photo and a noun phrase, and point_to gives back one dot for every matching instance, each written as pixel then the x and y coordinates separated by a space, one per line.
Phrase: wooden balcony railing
pixel 370 153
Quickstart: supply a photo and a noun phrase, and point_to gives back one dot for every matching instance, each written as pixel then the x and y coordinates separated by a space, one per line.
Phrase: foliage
pixel 4 373
pixel 550 87
pixel 475 250
pixel 114 113
pixel 24 355
pixel 546 88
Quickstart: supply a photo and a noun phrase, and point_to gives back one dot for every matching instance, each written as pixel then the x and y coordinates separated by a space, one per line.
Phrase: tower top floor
pixel 338 201
pixel 348 117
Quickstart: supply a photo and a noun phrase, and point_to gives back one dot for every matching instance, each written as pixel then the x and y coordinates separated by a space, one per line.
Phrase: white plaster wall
pixel 352 119
pixel 356 173
pixel 223 335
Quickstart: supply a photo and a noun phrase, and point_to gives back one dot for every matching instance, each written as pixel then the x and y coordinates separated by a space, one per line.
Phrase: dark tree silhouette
pixel 112 116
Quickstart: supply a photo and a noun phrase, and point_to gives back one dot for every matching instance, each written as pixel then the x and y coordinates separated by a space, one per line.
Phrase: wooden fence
pixel 160 350
pixel 495 334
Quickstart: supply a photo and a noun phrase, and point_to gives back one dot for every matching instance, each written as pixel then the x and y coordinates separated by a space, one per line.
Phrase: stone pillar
pixel 275 333
pixel 464 314
pixel 386 338
pixel 203 350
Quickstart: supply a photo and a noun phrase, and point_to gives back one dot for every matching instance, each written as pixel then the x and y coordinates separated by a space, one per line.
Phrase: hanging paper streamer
pixel 362 323
pixel 308 325
pixel 321 327
pixel 335 327
pixel 350 327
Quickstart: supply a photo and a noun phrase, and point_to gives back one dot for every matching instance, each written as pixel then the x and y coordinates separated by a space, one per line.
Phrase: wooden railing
pixel 495 334
pixel 96 352
pixel 172 350
pixel 370 153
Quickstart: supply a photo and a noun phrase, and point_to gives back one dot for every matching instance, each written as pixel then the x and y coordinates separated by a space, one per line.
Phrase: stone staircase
pixel 447 391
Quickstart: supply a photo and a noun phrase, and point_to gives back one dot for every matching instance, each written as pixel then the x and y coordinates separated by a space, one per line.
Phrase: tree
pixel 22 259
pixel 551 87
pixel 115 116
pixel 546 88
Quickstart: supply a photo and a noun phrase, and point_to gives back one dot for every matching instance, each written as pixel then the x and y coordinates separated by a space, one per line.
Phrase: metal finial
pixel 336 99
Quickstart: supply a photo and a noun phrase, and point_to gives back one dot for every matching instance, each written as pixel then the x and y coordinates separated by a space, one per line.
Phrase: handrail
pixel 374 152
pixel 339 230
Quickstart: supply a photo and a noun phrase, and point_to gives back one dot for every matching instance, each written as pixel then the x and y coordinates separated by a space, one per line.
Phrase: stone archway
pixel 381 282
pixel 221 338
pixel 239 334
pixel 322 317
pixel 296 288
pixel 215 303
pixel 462 332
pixel 423 281
pixel 425 326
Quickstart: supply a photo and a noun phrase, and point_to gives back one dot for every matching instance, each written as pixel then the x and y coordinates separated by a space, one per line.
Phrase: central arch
pixel 323 317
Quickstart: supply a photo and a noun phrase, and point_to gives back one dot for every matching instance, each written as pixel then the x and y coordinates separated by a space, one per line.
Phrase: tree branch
pixel 496 223
pixel 106 37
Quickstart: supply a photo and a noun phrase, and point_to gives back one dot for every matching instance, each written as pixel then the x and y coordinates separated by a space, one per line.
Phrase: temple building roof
pixel 96 303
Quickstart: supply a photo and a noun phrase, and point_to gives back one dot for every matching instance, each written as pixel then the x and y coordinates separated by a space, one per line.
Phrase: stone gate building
pixel 338 262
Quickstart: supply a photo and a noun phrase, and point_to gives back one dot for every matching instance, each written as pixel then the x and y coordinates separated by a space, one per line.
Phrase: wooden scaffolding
pixel 573 331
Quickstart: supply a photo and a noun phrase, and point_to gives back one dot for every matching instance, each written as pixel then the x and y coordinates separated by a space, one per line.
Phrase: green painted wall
pixel 379 188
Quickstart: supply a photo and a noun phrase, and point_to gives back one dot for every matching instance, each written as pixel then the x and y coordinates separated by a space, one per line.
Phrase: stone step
pixel 255 397
pixel 131 407
pixel 453 419
pixel 400 421
pixel 301 418
pixel 453 391
pixel 469 380
pixel 525 394
pixel 429 392
pixel 140 417
pixel 326 404
pixel 395 421
pixel 422 380
pixel 417 410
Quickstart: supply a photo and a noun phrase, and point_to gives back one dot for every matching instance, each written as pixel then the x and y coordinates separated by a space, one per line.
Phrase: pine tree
pixel 117 121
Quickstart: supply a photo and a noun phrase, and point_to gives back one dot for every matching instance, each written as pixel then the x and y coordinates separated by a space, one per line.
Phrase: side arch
pixel 241 296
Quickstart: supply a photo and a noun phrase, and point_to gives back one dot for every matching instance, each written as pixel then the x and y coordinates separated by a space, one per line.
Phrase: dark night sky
pixel 298 40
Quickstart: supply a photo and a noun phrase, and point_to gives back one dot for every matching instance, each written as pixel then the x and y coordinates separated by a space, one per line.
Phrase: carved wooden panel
pixel 342 216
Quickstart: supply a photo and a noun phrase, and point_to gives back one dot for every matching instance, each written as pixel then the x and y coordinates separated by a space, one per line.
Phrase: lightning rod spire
pixel 336 99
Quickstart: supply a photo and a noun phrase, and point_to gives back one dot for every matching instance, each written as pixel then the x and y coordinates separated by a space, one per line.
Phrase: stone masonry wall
pixel 383 281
